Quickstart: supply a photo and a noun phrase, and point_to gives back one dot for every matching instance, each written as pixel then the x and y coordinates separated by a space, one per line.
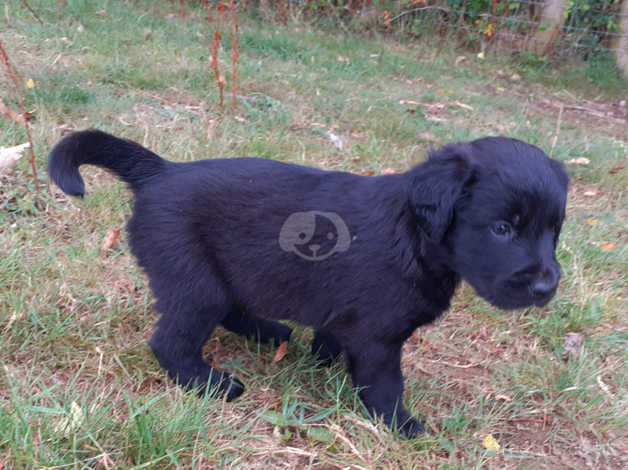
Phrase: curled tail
pixel 130 161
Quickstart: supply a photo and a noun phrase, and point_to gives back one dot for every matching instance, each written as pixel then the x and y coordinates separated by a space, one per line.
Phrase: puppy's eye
pixel 502 229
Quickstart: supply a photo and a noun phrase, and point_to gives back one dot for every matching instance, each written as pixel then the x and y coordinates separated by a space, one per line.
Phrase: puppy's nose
pixel 546 284
pixel 543 288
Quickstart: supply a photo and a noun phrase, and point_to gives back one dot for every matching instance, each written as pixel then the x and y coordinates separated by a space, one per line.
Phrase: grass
pixel 79 387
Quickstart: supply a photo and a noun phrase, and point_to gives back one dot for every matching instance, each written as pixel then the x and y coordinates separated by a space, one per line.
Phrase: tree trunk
pixel 551 22
pixel 621 45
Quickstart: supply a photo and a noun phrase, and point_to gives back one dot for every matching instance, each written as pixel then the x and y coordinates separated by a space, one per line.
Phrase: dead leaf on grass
pixel 578 161
pixel 10 155
pixel 73 421
pixel 490 443
pixel 505 398
pixel 572 344
pixel 607 246
pixel 110 240
pixel 337 141
pixel 617 169
pixel 411 102
pixel 590 193
pixel 14 317
pixel 388 171
pixel 592 222
pixel 281 351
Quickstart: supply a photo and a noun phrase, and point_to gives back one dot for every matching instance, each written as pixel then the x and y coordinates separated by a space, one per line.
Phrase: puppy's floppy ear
pixel 437 184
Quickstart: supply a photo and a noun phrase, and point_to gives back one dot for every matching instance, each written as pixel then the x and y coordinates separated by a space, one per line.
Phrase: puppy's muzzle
pixel 543 286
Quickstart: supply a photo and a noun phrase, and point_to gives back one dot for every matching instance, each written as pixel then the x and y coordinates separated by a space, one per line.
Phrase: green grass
pixel 80 388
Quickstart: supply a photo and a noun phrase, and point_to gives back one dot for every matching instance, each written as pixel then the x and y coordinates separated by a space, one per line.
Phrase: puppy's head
pixel 496 207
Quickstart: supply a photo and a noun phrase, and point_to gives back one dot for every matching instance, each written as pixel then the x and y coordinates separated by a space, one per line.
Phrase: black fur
pixel 211 236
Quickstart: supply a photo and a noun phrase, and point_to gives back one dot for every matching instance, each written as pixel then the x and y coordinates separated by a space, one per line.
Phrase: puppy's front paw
pixel 411 428
pixel 325 348
pixel 234 388
pixel 274 331
pixel 224 385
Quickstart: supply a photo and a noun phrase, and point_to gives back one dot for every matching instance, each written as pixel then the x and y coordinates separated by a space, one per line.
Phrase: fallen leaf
pixel 607 246
pixel 572 343
pixel 281 352
pixel 388 171
pixel 490 443
pixel 71 422
pixel 13 318
pixel 110 240
pixel 503 398
pixel 337 141
pixel 11 114
pixel 617 169
pixel 368 173
pixel 459 59
pixel 592 222
pixel 345 60
pixel 578 161
pixel 481 55
pixel 590 193
pixel 30 83
pixel 500 89
pixel 10 155
pixel 603 386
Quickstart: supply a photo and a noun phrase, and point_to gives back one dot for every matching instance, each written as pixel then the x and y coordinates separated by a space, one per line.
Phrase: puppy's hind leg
pixel 257 328
pixel 178 344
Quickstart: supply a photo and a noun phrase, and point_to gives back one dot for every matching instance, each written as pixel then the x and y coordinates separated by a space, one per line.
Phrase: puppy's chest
pixel 433 296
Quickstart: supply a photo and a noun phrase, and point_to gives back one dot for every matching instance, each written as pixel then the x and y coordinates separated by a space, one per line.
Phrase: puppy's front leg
pixel 325 347
pixel 376 368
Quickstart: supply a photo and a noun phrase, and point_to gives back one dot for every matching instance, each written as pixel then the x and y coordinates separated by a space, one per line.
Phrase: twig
pixel 16 82
pixel 32 11
pixel 460 366
pixel 557 132
pixel 414 10
pixel 11 114
pixel 235 55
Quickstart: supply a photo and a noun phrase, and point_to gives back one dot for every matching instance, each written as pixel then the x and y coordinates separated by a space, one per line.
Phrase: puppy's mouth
pixel 511 295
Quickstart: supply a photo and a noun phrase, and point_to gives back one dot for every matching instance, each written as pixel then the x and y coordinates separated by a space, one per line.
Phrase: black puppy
pixel 363 260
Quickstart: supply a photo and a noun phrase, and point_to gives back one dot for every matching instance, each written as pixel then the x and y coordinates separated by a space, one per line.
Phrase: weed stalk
pixel 15 78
